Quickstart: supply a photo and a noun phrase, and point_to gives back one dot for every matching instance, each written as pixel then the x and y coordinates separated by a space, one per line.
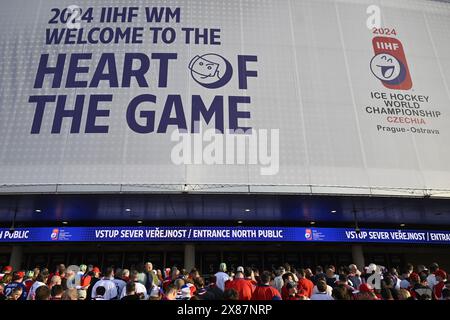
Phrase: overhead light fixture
pixel 247 210
pixel 64 222
pixel 312 223
pixel 38 210
pixel 333 211
pixel 127 209
pixel 139 221
pixel 402 225
pixel 240 221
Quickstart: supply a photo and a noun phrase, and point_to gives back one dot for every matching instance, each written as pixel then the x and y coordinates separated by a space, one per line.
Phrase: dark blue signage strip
pixel 211 234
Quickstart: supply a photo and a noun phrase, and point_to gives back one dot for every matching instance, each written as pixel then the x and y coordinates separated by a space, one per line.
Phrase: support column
pixel 16 257
pixel 358 256
pixel 189 256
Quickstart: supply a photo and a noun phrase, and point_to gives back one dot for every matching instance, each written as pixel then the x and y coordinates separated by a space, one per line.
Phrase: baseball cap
pixel 20 274
pixel 365 287
pixel 95 270
pixel 441 273
pixel 223 267
pixel 414 277
pixel 8 268
pixel 240 269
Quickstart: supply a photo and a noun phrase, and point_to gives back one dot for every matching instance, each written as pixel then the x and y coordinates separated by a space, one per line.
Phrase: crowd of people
pixel 286 283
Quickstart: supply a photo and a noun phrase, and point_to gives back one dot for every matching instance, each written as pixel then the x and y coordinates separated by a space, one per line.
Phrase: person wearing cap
pixel 80 274
pixel 94 277
pixel 366 292
pixel 16 283
pixel 28 282
pixel 441 277
pixel 6 270
pixel 222 276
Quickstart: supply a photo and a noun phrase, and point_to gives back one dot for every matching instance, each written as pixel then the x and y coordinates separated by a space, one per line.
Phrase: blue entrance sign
pixel 227 234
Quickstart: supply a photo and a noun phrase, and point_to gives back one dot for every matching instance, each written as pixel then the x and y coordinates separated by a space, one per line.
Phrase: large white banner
pixel 301 96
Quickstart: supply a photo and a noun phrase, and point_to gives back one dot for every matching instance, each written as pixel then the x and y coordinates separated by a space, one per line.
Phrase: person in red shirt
pixel 287 277
pixel 304 285
pixel 250 276
pixel 441 276
pixel 264 291
pixel 60 271
pixel 29 280
pixel 243 286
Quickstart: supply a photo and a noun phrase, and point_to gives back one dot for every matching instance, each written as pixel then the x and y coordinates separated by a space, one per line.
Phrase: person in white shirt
pixel 222 276
pixel 118 280
pixel 109 285
pixel 321 293
pixel 278 281
pixel 139 287
pixel 328 289
pixel 41 280
pixel 431 279
pixel 404 283
pixel 80 274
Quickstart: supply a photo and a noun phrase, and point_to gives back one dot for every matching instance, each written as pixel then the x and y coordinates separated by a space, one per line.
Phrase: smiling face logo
pixel 385 67
pixel 389 64
pixel 211 70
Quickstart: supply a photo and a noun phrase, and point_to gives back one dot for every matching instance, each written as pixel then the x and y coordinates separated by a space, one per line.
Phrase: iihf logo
pixel 389 64
pixel 211 70
pixel 54 235
pixel 308 234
